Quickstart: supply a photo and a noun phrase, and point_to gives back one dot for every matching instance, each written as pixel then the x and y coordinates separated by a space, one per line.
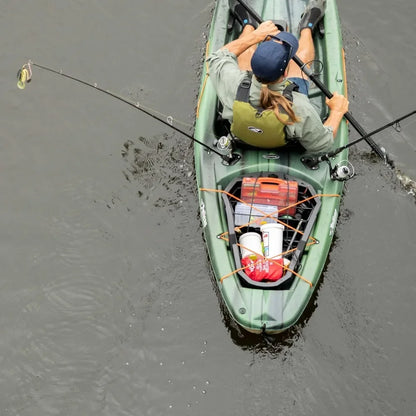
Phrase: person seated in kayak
pixel 272 109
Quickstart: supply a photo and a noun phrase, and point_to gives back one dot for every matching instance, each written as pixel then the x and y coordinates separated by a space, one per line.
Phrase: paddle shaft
pixel 325 90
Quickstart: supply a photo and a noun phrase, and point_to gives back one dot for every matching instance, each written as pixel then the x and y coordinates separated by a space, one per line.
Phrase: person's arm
pixel 238 46
pixel 338 106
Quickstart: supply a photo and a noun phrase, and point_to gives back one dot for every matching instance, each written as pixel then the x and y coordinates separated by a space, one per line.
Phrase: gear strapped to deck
pixel 246 217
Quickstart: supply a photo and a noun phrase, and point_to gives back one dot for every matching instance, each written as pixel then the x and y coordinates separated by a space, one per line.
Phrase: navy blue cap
pixel 271 58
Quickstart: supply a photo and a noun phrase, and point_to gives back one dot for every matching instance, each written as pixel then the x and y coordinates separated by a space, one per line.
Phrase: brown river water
pixel 107 304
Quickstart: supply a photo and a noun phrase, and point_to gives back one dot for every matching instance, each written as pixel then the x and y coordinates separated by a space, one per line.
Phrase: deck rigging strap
pixel 265 215
pixel 258 261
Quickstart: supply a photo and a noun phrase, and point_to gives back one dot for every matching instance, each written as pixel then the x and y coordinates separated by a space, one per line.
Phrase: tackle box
pixel 270 191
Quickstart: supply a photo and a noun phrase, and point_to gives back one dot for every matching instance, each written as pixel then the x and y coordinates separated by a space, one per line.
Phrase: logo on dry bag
pixel 255 130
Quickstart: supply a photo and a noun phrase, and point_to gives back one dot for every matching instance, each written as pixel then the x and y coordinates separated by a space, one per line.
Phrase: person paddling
pixel 271 109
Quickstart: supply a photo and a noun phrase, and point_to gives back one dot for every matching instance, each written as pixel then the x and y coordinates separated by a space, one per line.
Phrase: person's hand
pixel 338 103
pixel 266 28
pixel 338 106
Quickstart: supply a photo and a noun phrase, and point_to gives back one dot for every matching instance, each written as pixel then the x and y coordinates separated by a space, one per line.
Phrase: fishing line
pixel 25 75
pixel 313 64
pixel 398 127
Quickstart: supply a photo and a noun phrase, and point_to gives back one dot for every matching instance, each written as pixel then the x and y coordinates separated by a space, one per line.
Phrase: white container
pixel 272 240
pixel 251 244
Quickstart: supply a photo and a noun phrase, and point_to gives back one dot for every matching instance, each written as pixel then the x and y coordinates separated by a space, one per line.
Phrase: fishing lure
pixel 24 75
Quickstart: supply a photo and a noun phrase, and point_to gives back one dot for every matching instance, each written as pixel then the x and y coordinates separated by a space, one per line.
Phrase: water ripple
pixel 78 294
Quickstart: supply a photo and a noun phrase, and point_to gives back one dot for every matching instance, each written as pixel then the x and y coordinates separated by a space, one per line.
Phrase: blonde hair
pixel 273 100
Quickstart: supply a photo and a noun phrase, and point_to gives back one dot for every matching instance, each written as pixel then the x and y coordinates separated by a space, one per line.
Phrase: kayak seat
pixel 222 126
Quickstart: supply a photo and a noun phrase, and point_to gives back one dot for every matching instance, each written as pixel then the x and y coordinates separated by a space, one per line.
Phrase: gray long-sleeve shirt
pixel 226 76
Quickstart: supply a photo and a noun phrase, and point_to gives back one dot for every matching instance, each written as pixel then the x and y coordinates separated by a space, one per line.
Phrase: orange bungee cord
pixel 266 215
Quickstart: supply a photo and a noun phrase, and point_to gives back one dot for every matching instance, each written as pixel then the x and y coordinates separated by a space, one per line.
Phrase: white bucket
pixel 250 241
pixel 272 240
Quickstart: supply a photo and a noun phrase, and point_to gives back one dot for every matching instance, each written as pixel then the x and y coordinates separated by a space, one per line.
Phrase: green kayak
pixel 242 201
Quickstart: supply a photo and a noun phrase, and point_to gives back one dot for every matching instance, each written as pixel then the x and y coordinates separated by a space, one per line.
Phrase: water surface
pixel 107 305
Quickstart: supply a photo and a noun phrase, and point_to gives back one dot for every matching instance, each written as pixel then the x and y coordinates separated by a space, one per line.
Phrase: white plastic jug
pixel 272 240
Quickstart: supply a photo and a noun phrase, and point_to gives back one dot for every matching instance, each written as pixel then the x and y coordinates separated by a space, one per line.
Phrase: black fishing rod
pixel 381 153
pixel 312 162
pixel 25 75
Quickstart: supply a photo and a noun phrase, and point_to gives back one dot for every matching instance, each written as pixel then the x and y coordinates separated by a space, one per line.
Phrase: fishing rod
pixel 380 152
pixel 312 162
pixel 24 75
